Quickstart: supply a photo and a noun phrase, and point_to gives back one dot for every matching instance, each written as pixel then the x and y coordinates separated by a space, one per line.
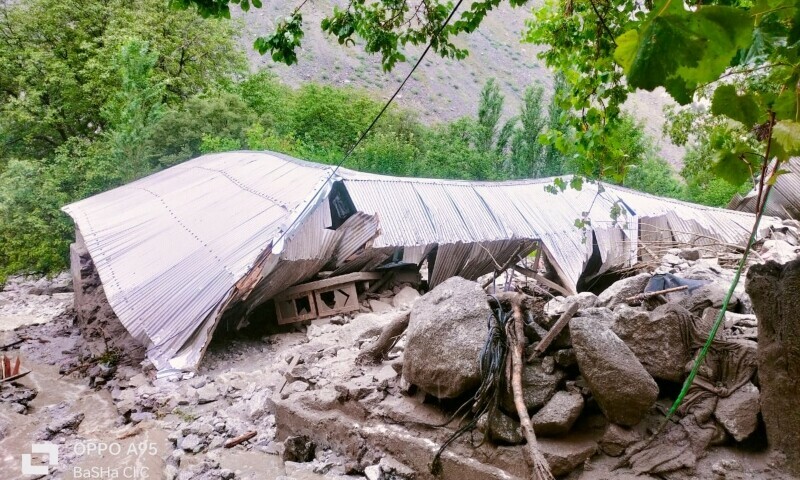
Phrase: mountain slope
pixel 441 89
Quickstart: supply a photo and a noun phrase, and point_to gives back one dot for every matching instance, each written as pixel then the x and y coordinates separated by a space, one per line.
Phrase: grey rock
pixel 656 338
pixel 378 306
pixel 558 415
pixel 405 297
pixel 207 394
pixel 619 383
pixel 738 413
pixel 501 428
pixel 65 424
pixel 617 438
pixel 558 305
pixel 445 334
pixel 538 386
pixel 619 291
pixel 672 259
pixel 565 357
pixel 710 295
pixel 192 443
pixel 690 254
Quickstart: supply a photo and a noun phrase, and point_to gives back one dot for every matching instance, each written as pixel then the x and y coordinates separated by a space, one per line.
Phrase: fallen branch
pixel 644 296
pixel 516 339
pixel 377 350
pixel 240 439
pixel 557 328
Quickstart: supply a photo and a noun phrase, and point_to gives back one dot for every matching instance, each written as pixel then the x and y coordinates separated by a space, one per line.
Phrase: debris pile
pixel 383 393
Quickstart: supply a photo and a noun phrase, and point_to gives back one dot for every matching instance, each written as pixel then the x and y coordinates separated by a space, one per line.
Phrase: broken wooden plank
pixel 332 281
pixel 292 364
pixel 547 283
pixel 557 328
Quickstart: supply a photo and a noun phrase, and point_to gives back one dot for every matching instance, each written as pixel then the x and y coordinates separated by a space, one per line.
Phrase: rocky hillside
pixel 441 89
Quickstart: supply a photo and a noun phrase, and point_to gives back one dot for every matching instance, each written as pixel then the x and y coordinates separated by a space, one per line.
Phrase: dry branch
pixel 377 350
pixel 540 470
pixel 240 439
pixel 644 296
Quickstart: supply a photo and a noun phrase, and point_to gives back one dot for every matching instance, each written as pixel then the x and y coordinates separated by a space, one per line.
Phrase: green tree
pixel 527 156
pixel 58 64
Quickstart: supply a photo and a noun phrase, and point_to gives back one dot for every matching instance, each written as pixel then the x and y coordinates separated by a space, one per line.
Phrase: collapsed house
pixel 179 248
pixel 783 202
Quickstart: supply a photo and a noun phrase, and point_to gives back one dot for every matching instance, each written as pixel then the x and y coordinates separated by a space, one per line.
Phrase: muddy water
pixel 98 453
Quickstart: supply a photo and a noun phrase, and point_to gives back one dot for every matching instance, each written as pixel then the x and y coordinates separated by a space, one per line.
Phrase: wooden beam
pixel 548 283
pixel 557 328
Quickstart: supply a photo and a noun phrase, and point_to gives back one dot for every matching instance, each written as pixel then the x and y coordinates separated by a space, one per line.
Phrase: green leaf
pixel 732 167
pixel 680 49
pixel 787 134
pixel 742 108
pixel 787 105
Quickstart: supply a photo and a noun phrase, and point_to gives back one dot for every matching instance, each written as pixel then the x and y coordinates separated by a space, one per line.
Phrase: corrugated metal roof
pixel 170 247
pixel 784 201
pixel 176 248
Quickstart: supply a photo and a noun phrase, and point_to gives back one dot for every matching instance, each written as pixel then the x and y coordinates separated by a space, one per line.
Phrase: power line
pixel 364 134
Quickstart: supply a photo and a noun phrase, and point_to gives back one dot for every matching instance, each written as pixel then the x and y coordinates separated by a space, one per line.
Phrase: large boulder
pixel 619 383
pixel 445 334
pixel 774 289
pixel 619 291
pixel 656 338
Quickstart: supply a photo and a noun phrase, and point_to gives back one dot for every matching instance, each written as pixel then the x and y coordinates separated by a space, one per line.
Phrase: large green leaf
pixel 787 134
pixel 733 167
pixel 742 108
pixel 681 49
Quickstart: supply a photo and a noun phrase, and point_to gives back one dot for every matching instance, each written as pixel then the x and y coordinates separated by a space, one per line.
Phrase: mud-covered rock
pixel 501 428
pixel 446 331
pixel 538 386
pixel 656 338
pixel 568 453
pixel 619 291
pixel 619 383
pixel 738 413
pixel 558 415
pixel 774 289
pixel 617 438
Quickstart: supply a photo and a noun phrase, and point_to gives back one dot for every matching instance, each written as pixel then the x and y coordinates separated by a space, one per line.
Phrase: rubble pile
pixel 600 372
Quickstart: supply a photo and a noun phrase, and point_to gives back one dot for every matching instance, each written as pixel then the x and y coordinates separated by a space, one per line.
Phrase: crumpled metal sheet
pixel 177 248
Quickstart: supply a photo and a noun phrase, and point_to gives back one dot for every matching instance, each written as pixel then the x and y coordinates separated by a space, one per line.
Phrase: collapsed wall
pixel 102 330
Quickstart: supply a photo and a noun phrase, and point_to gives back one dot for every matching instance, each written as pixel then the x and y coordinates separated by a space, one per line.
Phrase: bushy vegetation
pixel 93 99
